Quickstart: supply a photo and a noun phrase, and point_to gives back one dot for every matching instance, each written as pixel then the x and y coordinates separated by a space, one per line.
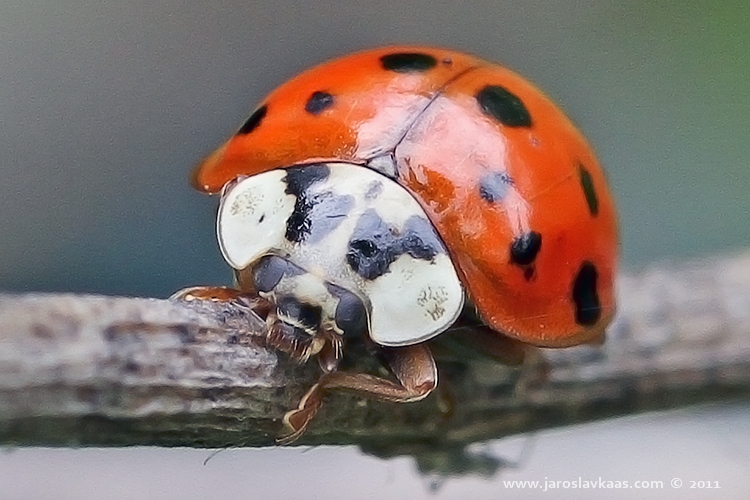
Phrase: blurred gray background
pixel 105 106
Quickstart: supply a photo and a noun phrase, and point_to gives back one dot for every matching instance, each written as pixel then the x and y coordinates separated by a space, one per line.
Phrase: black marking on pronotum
pixel 298 180
pixel 318 102
pixel 419 239
pixel 373 190
pixel 504 106
pixel 524 249
pixel 494 186
pixel 372 247
pixel 408 62
pixel 315 216
pixel 585 295
pixel 587 183
pixel 326 211
pixel 254 120
pixel 375 245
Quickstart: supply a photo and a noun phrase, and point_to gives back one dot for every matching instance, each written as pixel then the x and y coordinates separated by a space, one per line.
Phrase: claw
pixel 295 422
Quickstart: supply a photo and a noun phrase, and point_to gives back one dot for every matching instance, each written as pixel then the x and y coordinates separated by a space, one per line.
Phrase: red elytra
pixel 510 184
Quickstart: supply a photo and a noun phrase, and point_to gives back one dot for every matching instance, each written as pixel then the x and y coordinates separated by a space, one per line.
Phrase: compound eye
pixel 351 313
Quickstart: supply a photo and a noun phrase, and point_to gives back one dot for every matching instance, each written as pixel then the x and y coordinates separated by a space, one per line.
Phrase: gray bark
pixel 105 371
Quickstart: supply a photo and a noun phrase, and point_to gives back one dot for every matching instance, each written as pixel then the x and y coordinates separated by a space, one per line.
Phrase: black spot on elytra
pixel 254 120
pixel 524 249
pixel 375 245
pixel 315 214
pixel 408 62
pixel 318 102
pixel 585 295
pixel 587 183
pixel 350 315
pixel 494 186
pixel 504 106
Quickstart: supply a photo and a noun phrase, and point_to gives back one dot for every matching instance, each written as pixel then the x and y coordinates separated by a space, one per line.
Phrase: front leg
pixel 413 366
pixel 285 335
pixel 258 304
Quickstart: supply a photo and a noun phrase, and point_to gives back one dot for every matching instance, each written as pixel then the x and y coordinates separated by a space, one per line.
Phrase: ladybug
pixel 385 192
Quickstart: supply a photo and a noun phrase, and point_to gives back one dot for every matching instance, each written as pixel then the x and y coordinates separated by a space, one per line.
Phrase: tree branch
pixel 86 370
